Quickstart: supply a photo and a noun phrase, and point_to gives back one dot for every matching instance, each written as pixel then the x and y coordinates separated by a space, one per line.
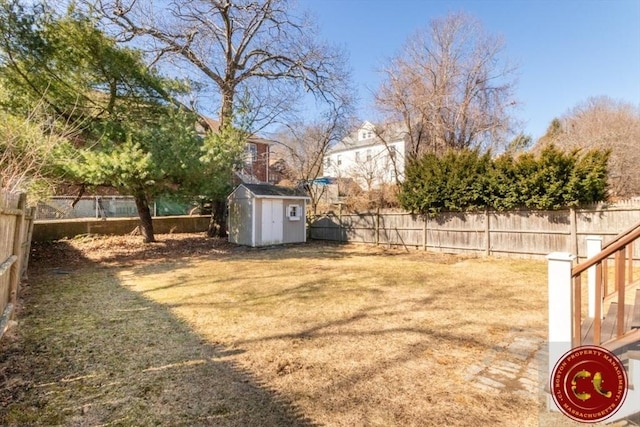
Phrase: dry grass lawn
pixel 190 331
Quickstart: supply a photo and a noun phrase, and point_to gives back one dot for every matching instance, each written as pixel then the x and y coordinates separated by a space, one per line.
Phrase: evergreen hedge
pixel 466 180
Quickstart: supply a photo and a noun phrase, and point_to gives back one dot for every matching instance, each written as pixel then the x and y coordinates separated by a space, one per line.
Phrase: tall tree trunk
pixel 218 221
pixel 226 110
pixel 146 223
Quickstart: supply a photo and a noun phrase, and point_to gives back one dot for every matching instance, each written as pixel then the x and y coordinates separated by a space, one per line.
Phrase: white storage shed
pixel 264 215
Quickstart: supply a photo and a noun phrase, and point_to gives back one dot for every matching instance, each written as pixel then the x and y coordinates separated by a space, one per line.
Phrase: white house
pixel 368 156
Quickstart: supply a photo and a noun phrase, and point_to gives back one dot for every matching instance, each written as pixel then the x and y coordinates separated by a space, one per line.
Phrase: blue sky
pixel 567 51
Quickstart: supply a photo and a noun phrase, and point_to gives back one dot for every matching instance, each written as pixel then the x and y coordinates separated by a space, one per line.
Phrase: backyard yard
pixel 194 331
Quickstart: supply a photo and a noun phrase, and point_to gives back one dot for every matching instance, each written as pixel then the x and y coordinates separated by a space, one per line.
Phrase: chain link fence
pixel 60 207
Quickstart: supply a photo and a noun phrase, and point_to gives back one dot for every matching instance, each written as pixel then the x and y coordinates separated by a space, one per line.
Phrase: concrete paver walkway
pixel 513 364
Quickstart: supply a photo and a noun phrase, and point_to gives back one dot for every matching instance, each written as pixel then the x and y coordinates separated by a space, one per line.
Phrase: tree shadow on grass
pixel 91 352
pixel 185 248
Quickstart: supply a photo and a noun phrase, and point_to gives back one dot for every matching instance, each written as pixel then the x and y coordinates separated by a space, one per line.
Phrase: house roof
pixel 274 191
pixel 352 140
pixel 258 140
pixel 349 143
pixel 213 123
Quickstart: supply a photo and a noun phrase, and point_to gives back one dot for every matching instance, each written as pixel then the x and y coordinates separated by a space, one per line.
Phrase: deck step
pixel 608 327
pixel 605 326
pixel 610 322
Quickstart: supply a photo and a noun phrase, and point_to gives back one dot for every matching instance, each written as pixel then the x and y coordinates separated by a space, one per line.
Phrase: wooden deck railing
pixel 621 249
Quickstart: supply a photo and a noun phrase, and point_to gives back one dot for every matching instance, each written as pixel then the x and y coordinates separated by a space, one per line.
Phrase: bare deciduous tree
pixel 256 53
pixel 372 172
pixel 449 87
pixel 27 154
pixel 302 147
pixel 603 123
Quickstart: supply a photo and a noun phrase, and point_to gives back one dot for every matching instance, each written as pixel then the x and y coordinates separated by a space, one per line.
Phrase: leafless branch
pixel 449 87
pixel 603 123
pixel 236 45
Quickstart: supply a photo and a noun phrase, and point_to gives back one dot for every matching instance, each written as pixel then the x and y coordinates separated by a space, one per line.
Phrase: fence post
pixel 340 222
pixel 594 246
pixel 487 234
pixel 377 225
pixel 16 268
pixel 426 229
pixel 560 305
pixel 573 245
pixel 26 241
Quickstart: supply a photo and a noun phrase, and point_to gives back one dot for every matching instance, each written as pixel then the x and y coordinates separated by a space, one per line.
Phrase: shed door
pixel 272 213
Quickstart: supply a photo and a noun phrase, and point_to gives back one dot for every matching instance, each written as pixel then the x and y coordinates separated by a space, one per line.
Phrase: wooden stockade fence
pixel 16 226
pixel 518 233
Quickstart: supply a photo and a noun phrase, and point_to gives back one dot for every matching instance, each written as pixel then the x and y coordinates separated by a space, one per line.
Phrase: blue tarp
pixel 325 180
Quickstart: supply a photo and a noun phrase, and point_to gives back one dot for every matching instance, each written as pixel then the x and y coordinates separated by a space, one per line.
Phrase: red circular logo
pixel 589 384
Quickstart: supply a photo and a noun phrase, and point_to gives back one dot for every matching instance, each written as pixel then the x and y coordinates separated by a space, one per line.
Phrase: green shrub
pixel 466 180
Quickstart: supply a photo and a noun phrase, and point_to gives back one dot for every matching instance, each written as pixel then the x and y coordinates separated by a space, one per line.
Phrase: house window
pixel 368 155
pixel 293 212
pixel 366 134
pixel 251 153
pixel 357 156
pixel 327 162
pixel 339 160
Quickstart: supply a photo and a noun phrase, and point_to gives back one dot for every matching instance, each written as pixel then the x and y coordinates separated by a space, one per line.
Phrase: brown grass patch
pixel 191 331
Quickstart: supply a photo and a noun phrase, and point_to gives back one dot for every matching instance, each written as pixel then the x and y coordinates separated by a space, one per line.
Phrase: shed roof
pixel 267 190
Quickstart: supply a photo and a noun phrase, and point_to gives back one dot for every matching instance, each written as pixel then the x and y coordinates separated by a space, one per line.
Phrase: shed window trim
pixel 293 212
